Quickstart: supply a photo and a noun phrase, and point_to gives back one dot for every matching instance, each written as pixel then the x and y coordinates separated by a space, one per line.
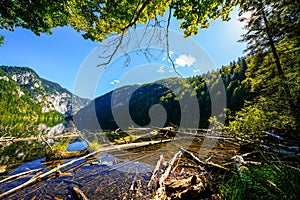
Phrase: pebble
pixel 3 169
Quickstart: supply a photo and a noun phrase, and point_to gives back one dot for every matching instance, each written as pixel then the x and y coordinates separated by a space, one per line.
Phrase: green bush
pixel 93 146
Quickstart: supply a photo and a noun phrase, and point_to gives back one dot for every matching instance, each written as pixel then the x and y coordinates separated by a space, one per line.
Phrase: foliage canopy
pixel 97 19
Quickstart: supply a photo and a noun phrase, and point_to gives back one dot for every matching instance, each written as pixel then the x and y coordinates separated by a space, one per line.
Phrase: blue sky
pixel 60 56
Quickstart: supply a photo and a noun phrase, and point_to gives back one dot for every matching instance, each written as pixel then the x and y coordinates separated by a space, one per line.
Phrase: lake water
pixel 108 175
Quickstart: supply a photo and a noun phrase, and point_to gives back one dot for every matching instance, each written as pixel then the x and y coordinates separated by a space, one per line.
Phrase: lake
pixel 107 175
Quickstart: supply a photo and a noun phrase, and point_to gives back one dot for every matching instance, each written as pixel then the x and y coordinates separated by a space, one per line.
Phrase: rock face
pixel 50 95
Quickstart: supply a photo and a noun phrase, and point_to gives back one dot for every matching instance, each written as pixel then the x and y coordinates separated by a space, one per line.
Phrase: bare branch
pixel 133 22
pixel 168 46
pixel 110 57
pixel 161 190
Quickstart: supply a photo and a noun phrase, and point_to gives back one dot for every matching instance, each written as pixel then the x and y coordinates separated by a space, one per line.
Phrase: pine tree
pixel 272 32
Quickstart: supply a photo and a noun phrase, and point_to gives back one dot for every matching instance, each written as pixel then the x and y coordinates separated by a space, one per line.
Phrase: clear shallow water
pixel 109 175
pixel 106 176
pixel 107 179
pixel 77 145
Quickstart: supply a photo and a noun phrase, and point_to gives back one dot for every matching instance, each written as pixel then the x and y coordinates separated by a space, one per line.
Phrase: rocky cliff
pixel 50 95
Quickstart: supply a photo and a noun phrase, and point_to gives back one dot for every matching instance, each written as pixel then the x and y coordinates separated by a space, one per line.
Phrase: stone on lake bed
pixel 95 163
pixel 3 169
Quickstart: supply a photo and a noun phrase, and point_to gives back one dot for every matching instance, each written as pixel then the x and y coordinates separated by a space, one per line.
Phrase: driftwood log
pixel 155 170
pixel 14 139
pixel 64 154
pixel 36 179
pixel 161 190
pixel 19 175
pixel 198 161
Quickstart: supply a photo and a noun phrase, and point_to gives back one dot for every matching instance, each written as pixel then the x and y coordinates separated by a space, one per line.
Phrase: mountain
pixel 15 101
pixel 105 109
pixel 132 105
pixel 49 95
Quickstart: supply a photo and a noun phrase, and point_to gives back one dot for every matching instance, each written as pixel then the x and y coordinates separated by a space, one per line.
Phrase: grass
pixel 268 181
pixel 59 146
pixel 93 146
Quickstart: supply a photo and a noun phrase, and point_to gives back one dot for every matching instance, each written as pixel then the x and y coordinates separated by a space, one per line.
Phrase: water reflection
pixel 77 145
pixel 14 152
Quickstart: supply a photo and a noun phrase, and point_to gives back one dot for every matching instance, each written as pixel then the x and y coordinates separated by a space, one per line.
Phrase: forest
pixel 18 106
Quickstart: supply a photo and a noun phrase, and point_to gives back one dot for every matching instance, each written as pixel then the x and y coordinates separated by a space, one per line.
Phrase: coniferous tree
pixel 273 67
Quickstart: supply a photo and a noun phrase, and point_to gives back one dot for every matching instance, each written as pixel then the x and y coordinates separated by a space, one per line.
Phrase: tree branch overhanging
pixel 168 45
pixel 137 16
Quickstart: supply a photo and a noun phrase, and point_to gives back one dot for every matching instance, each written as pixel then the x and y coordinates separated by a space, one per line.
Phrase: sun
pixel 246 16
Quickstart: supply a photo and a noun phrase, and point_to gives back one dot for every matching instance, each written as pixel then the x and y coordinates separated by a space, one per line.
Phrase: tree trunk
pixel 292 104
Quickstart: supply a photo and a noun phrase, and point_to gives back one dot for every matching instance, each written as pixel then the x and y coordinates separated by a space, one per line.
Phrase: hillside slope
pixel 110 111
pixel 16 103
pixel 49 95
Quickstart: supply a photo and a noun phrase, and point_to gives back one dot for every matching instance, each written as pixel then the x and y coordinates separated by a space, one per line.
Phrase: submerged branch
pixel 198 161
pixel 54 170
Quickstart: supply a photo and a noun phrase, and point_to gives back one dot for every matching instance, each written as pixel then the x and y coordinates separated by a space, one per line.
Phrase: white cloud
pixel 184 60
pixel 114 82
pixel 171 53
pixel 161 69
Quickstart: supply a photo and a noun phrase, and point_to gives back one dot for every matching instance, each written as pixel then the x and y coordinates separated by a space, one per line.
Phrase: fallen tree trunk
pixel 19 175
pixel 160 191
pixel 198 161
pixel 63 154
pixel 155 169
pixel 13 139
pixel 54 170
pixel 206 136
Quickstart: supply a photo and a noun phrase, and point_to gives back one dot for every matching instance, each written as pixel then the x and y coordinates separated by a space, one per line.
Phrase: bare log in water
pixel 198 161
pixel 54 170
pixel 13 139
pixel 155 170
pixel 19 175
pixel 64 154
pixel 161 190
